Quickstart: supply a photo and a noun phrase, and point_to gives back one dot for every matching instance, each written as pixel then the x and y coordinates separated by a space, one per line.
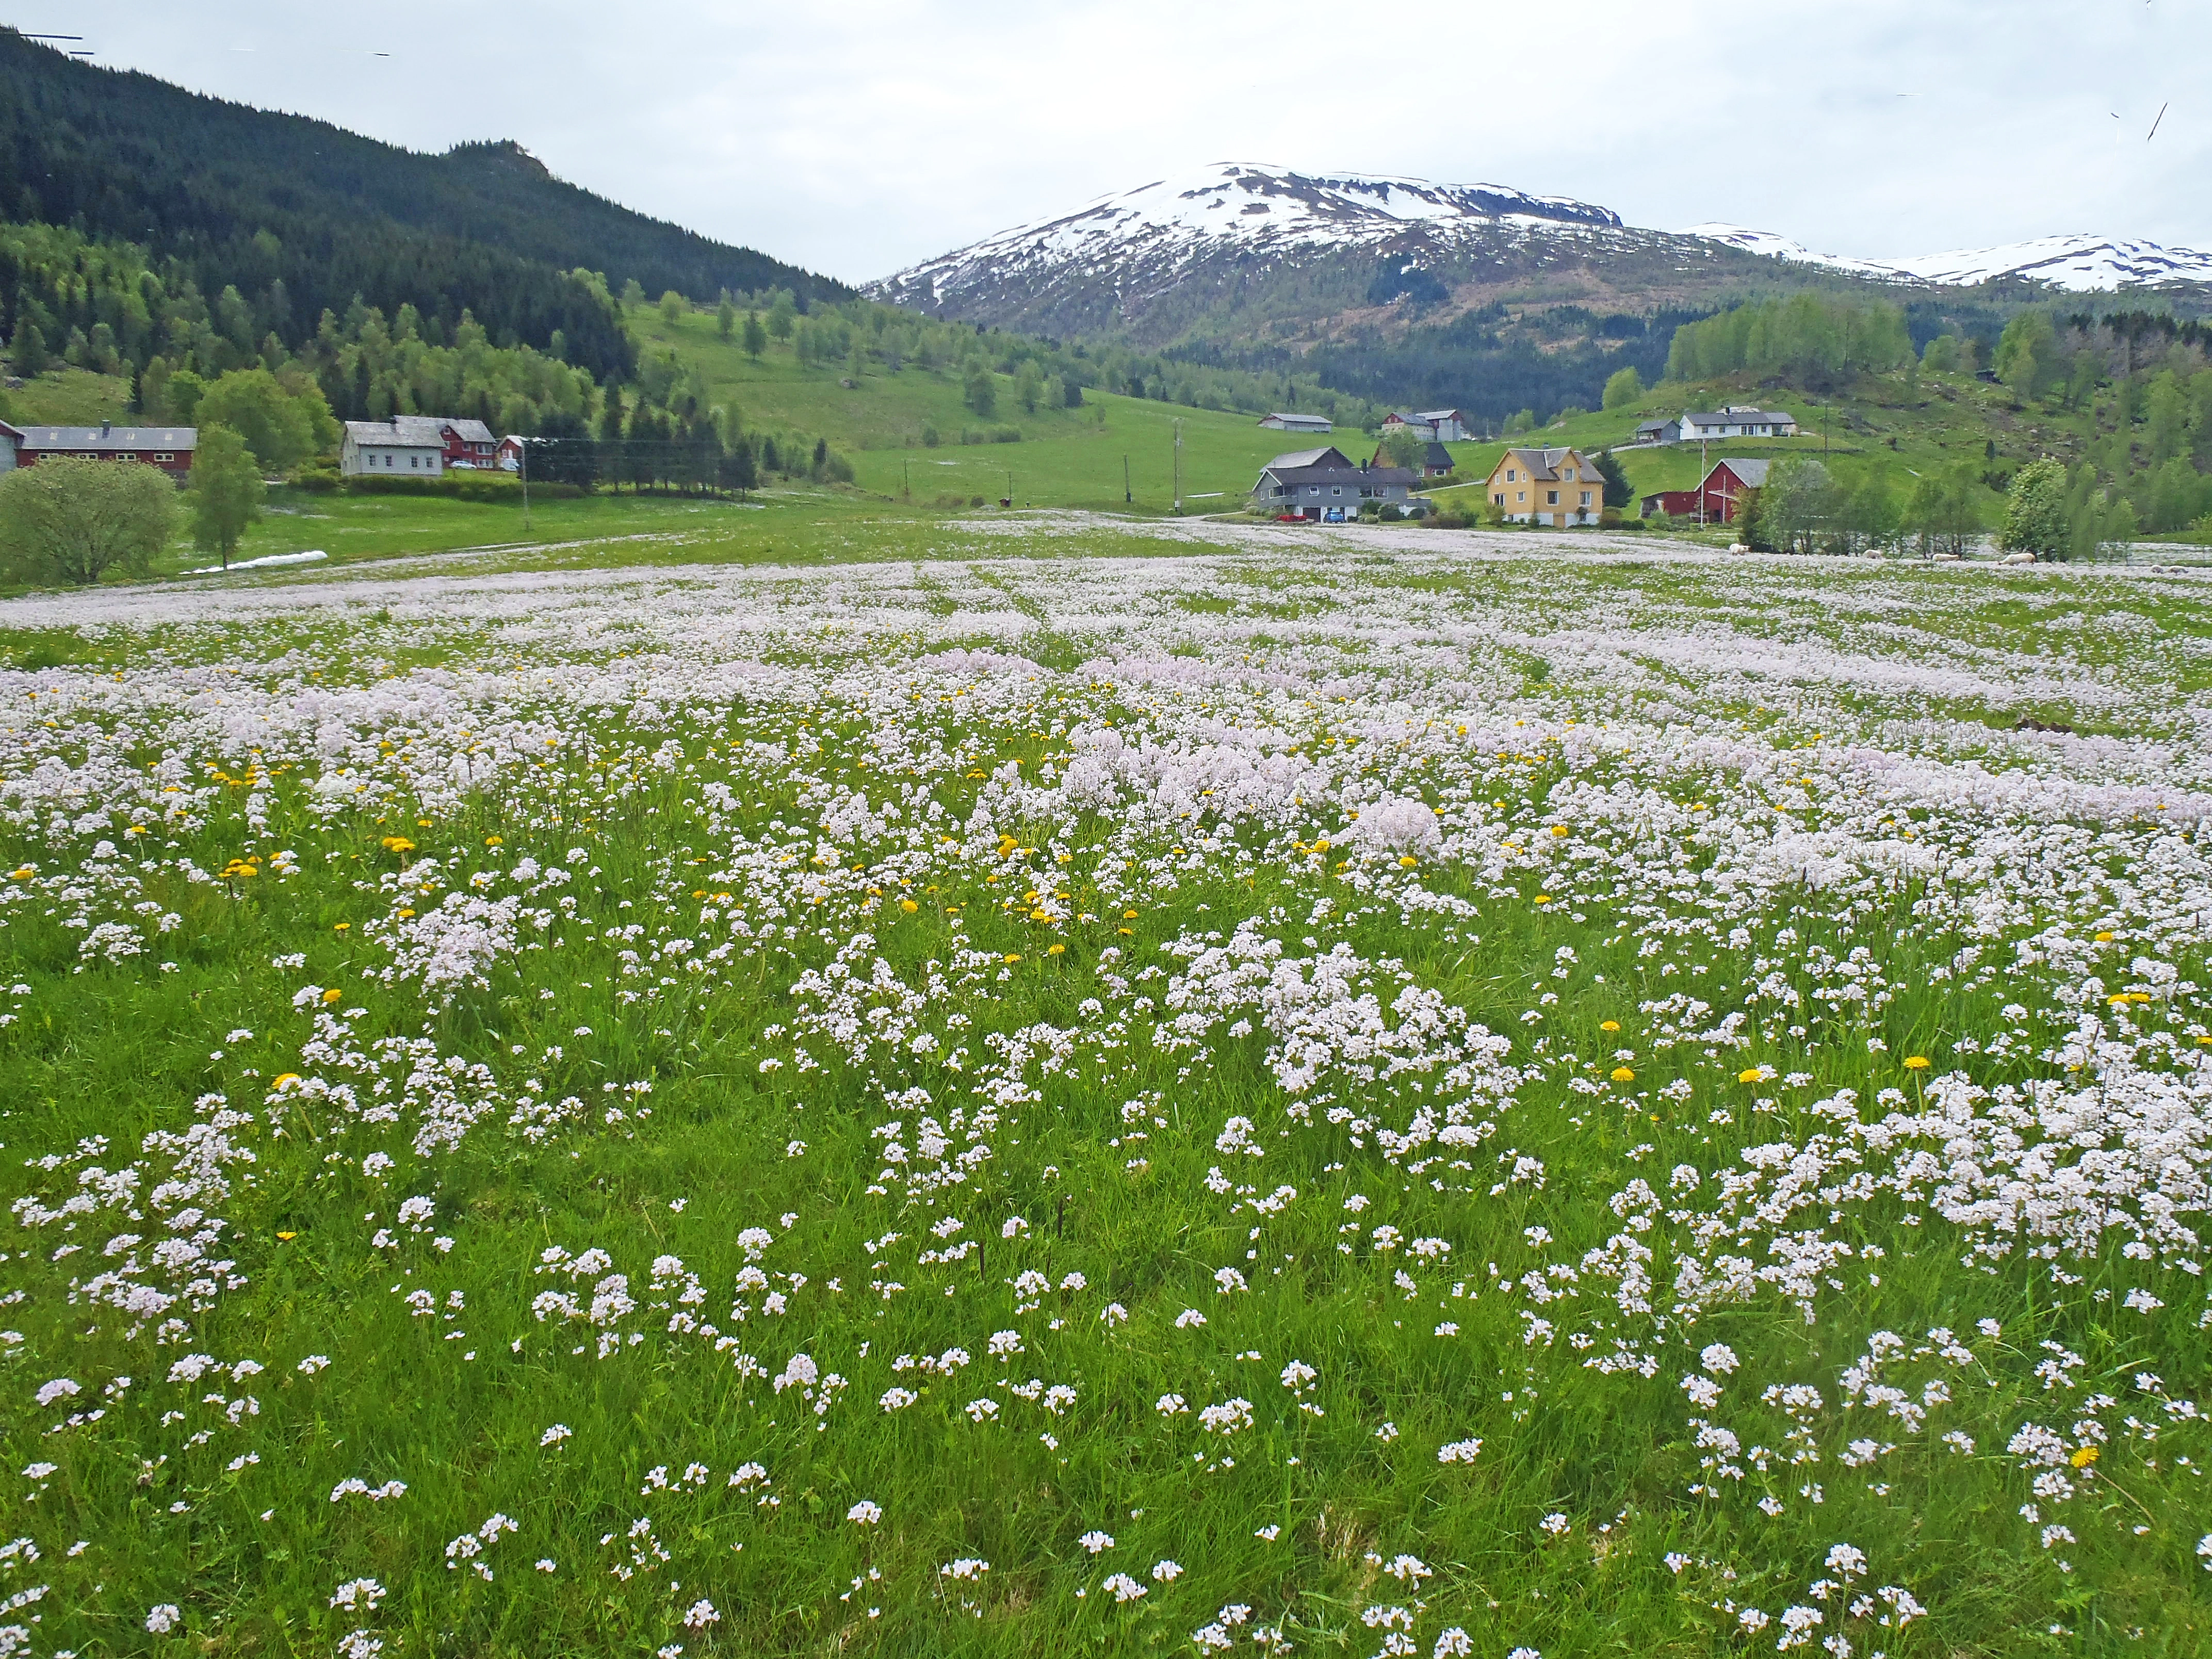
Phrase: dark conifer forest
pixel 300 217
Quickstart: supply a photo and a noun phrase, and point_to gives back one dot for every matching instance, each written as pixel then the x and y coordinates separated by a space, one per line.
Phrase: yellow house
pixel 1547 486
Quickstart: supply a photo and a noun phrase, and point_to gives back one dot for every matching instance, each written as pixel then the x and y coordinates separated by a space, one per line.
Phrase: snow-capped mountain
pixel 1251 252
pixel 1123 259
pixel 2078 264
pixel 1251 208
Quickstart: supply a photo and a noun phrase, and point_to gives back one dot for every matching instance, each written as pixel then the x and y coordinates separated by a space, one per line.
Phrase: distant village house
pixel 1717 498
pixel 1555 487
pixel 169 447
pixel 1736 420
pixel 1280 422
pixel 1445 426
pixel 415 444
pixel 1325 487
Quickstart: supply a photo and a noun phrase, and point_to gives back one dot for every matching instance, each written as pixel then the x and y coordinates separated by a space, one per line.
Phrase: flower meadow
pixel 1115 1093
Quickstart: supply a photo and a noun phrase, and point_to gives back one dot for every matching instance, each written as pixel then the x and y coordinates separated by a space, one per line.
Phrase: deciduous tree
pixel 70 521
pixel 1622 388
pixel 2035 517
pixel 225 492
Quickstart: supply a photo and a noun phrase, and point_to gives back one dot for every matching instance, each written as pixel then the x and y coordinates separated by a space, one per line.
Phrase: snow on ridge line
pixel 1272 210
pixel 1257 204
pixel 2078 263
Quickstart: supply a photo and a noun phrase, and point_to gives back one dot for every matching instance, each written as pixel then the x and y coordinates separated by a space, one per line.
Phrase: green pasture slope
pixel 1065 457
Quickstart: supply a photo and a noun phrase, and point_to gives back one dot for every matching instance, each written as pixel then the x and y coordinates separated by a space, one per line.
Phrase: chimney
pixel 104 428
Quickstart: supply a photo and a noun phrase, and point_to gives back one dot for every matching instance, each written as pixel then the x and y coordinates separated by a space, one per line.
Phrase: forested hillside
pixel 297 216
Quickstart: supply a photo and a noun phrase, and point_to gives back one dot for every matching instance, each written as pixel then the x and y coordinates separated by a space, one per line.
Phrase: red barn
pixel 1714 501
pixel 169 447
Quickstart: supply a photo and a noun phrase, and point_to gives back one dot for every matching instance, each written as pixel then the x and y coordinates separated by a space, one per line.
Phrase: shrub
pixel 70 521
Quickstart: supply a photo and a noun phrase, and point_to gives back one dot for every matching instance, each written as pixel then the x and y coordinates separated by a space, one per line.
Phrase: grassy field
pixel 1061 1086
pixel 1066 458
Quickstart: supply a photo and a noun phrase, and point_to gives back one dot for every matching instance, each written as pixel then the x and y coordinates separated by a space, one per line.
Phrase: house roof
pixel 1437 455
pixel 1322 421
pixel 1405 419
pixel 1327 456
pixel 1659 425
pixel 1441 415
pixel 1737 417
pixel 1345 474
pixel 1752 475
pixel 1543 464
pixel 417 431
pixel 406 432
pixel 48 439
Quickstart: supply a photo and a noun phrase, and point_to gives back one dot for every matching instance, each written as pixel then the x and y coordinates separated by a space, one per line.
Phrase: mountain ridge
pixel 1120 258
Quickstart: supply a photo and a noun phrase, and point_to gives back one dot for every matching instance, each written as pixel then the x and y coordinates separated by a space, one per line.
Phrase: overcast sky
pixel 860 138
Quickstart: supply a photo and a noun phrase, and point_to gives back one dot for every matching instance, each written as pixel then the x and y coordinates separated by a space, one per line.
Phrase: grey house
pixel 1326 487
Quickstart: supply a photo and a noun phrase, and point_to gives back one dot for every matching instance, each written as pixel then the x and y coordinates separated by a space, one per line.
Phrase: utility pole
pixel 1703 473
pixel 1178 466
pixel 906 482
pixel 1126 497
pixel 523 450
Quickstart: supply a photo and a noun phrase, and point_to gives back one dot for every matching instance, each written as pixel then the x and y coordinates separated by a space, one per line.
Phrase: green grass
pixel 1065 458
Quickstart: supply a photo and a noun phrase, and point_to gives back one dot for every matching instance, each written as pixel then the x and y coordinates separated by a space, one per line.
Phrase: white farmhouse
pixel 1736 420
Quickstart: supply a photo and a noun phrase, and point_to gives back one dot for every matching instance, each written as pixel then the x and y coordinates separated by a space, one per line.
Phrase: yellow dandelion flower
pixel 1407 862
pixel 909 905
pixel 397 844
pixel 494 841
pixel 287 1237
pixel 1057 951
pixel 283 1081
pixel 1916 1062
pixel 334 994
pixel 1749 1074
pixel 2084 1457
pixel 1013 956
pixel 2104 938
pixel 1608 1025
pixel 1622 1074
pixel 1543 898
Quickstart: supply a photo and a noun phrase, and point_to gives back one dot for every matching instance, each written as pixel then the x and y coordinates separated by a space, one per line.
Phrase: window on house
pixel 1551 498
pixel 1499 498
pixel 163 455
pixel 1586 495
pixel 1520 495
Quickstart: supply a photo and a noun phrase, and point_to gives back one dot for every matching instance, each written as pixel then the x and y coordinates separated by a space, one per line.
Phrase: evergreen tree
pixel 756 337
pixel 225 492
pixel 738 471
pixel 27 355
pixel 726 317
pixel 2035 516
pixel 1617 490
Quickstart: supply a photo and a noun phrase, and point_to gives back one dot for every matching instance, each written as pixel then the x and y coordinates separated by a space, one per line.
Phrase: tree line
pixel 1817 341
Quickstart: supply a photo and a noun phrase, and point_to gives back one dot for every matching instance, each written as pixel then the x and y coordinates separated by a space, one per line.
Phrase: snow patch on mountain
pixel 1236 205
pixel 2077 264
